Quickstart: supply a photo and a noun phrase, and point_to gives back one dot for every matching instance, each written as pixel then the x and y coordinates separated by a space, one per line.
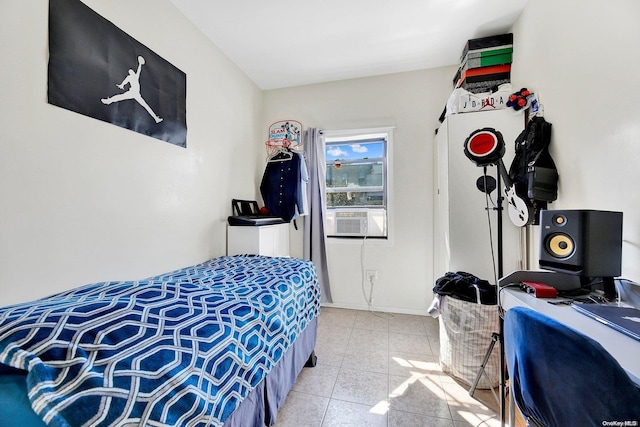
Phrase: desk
pixel 624 349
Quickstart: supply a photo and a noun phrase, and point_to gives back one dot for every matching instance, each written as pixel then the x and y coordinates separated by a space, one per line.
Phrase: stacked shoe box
pixel 485 63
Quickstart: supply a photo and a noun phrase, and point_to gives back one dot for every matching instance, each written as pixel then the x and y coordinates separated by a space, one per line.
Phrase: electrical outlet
pixel 372 275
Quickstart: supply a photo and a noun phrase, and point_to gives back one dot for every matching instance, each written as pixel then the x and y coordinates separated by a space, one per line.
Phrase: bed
pixel 216 344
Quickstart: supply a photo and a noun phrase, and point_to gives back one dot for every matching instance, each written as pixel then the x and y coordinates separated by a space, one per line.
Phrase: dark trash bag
pixel 460 285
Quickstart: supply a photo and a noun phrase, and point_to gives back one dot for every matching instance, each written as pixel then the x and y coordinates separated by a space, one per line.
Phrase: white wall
pixel 82 200
pixel 577 56
pixel 412 102
pixel 581 59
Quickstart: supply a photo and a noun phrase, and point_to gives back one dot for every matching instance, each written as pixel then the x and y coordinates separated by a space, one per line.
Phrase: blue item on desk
pixel 623 319
pixel 561 377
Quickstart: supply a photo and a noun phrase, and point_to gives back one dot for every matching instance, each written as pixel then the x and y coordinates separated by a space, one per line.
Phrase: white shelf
pixel 269 240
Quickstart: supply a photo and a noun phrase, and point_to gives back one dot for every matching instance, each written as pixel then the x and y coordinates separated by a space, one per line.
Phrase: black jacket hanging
pixel 279 186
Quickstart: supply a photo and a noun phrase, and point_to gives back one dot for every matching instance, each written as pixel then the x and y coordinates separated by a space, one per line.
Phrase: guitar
pixel 486 147
pixel 520 213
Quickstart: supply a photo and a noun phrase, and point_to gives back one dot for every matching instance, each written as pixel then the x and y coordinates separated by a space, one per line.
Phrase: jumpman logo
pixel 133 80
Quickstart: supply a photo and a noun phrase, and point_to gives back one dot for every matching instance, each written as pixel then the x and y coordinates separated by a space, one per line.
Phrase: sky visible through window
pixel 354 151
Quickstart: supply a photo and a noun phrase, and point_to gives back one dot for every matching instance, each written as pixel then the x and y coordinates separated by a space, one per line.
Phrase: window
pixel 357 173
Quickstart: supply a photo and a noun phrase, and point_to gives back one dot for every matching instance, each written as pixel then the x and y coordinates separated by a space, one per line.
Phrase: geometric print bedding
pixel 179 349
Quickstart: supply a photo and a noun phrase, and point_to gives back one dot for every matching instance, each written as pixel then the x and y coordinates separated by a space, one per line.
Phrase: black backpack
pixel 533 170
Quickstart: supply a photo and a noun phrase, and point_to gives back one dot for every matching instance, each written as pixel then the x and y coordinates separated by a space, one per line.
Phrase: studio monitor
pixel 587 243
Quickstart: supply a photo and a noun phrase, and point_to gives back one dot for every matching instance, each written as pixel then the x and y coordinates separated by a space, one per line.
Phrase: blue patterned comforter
pixel 184 348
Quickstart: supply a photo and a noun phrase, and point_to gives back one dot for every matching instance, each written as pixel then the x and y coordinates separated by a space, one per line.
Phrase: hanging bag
pixel 533 170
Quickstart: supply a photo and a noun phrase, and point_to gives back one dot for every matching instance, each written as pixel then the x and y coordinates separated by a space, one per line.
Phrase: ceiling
pixel 282 43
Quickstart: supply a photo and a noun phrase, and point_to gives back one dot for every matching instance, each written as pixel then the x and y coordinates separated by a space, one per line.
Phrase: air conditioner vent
pixel 351 223
pixel 349 226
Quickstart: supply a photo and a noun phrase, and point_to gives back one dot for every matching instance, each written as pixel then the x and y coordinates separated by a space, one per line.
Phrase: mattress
pixel 181 348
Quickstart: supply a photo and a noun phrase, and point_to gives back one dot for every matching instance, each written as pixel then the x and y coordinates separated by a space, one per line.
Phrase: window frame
pixel 336 137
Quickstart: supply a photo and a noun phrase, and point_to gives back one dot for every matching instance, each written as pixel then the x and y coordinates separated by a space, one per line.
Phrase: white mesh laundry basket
pixel 465 336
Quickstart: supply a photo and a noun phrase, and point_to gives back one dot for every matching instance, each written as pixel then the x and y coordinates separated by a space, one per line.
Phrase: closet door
pixel 461 235
pixel 441 253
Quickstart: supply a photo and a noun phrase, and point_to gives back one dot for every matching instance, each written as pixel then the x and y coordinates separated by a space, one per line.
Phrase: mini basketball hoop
pixel 284 134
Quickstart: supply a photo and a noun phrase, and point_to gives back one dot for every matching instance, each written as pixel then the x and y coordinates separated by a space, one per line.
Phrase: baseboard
pixel 363 307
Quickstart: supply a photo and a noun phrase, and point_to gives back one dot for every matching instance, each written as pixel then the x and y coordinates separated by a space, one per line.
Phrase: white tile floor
pixel 379 369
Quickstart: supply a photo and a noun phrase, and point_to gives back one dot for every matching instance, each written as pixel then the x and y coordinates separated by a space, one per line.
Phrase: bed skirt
pixel 261 407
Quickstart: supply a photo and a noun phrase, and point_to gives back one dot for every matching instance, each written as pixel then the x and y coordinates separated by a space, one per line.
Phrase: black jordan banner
pixel 98 70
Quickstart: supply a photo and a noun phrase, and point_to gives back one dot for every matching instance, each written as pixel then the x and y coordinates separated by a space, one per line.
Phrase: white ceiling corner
pixel 282 43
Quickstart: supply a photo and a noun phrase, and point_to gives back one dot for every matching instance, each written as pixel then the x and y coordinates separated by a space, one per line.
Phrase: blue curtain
pixel 315 248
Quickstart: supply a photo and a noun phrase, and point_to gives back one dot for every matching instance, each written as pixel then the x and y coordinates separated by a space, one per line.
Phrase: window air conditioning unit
pixel 351 223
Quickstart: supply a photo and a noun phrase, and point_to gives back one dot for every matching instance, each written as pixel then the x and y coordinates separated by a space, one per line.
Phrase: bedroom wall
pixel 584 67
pixel 412 102
pixel 583 71
pixel 82 200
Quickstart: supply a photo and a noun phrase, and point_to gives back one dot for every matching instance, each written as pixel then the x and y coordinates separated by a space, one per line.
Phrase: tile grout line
pixel 324 415
pixel 388 371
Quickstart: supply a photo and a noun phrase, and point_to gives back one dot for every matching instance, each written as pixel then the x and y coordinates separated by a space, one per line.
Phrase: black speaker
pixel 587 243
